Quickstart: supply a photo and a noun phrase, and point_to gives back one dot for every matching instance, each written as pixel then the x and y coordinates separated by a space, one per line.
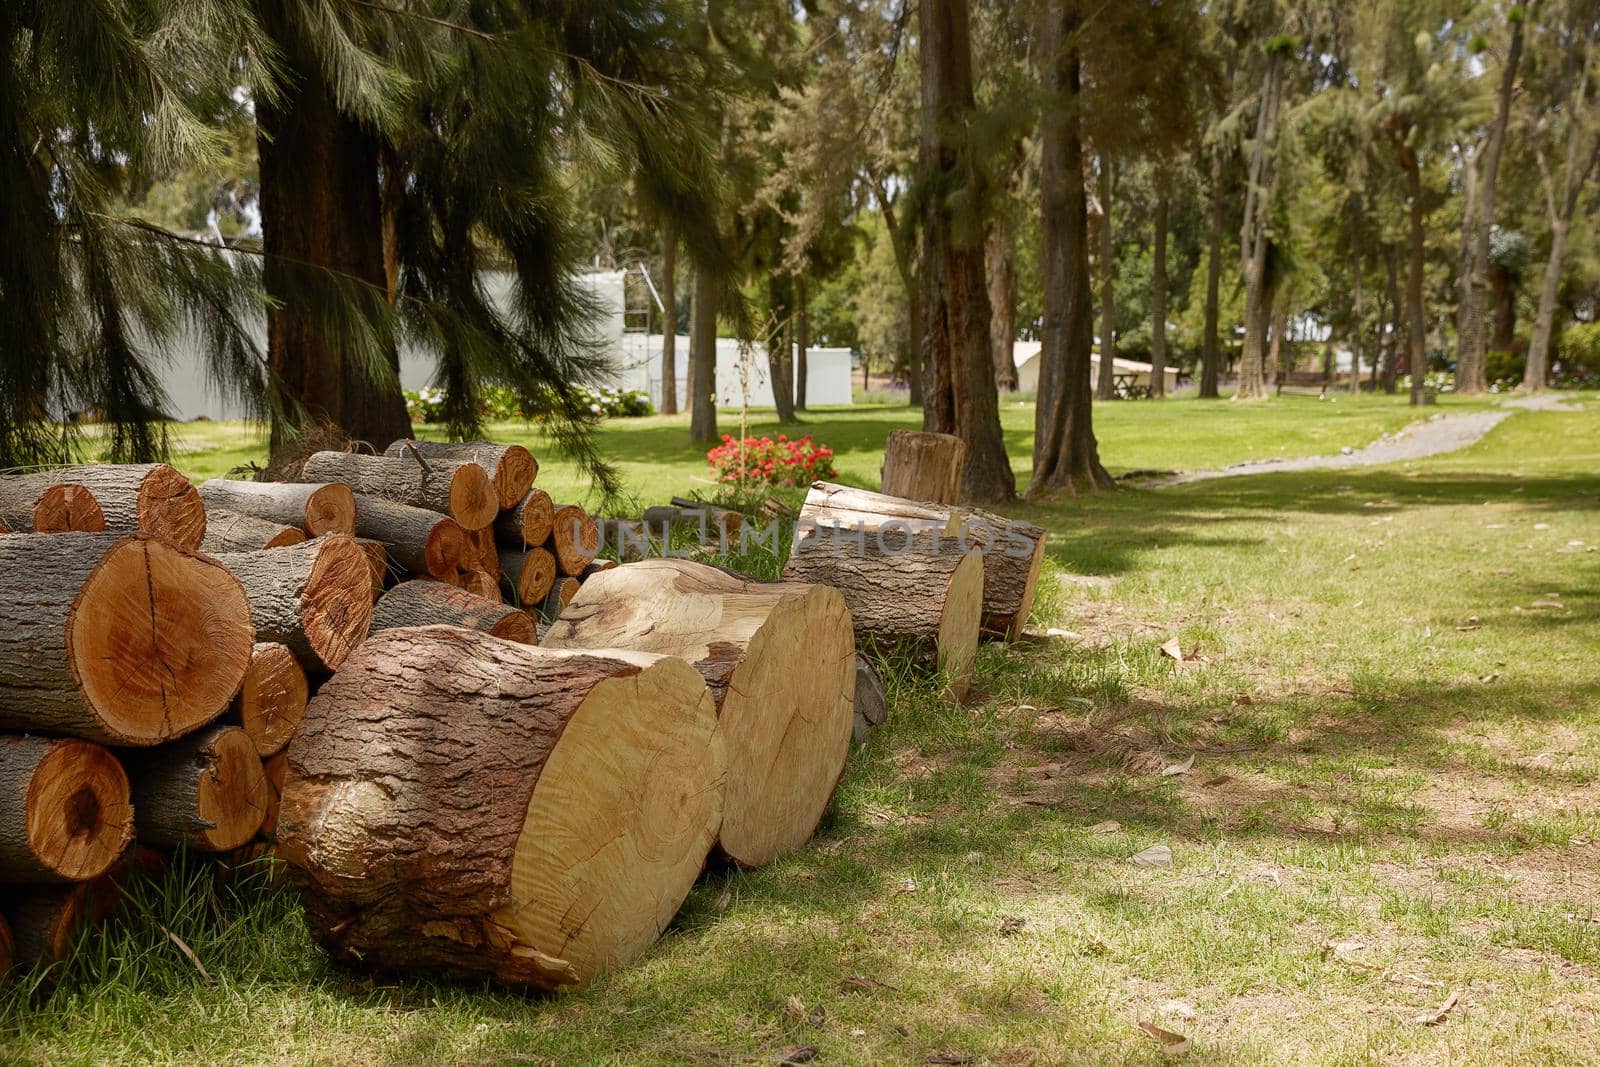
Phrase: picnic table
pixel 1125 386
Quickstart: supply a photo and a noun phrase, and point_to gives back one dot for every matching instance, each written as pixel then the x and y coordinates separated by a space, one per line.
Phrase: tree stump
pixel 315 597
pixel 574 538
pixel 512 468
pixel 207 791
pixel 316 509
pixel 230 531
pixel 923 466
pixel 527 522
pixel 273 699
pixel 780 661
pixel 466 805
pixel 150 498
pixel 120 640
pixel 65 814
pixel 426 603
pixel 28 507
pixel 418 540
pixel 460 490
pixel 530 574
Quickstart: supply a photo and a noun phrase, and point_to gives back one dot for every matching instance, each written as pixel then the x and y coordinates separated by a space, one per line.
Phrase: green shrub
pixel 499 404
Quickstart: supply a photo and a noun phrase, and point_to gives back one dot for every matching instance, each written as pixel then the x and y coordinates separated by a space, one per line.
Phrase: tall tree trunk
pixel 1416 317
pixel 1211 350
pixel 1474 379
pixel 1105 385
pixel 1391 352
pixel 669 317
pixel 1504 285
pixel 1255 240
pixel 1469 231
pixel 802 343
pixel 703 358
pixel 1536 375
pixel 1158 298
pixel 955 299
pixel 1280 326
pixel 780 351
pixel 905 264
pixel 1001 259
pixel 1356 310
pixel 321 224
pixel 1065 453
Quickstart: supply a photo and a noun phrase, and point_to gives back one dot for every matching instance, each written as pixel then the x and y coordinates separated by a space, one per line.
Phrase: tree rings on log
pixel 65 813
pixel 315 597
pixel 574 538
pixel 422 602
pixel 419 540
pixel 511 468
pixel 273 700
pixel 461 490
pixel 471 806
pixel 121 640
pixel 150 498
pixel 27 506
pixel 46 921
pixel 780 660
pixel 230 531
pixel 530 574
pixel 207 791
pixel 316 509
pixel 528 521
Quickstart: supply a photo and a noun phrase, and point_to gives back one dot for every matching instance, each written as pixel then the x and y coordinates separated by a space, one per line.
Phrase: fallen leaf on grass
pixel 1154 856
pixel 1109 826
pixel 949 1056
pixel 1171 1044
pixel 1179 768
pixel 1340 948
pixel 1437 1016
pixel 797 1054
pixel 908 886
pixel 188 954
pixel 1173 650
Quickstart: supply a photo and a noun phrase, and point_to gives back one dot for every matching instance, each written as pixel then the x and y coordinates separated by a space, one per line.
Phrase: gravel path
pixel 1426 437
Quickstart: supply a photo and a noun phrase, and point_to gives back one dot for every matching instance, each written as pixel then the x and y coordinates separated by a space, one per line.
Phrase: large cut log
pixel 917 589
pixel 923 466
pixel 273 700
pixel 28 507
pixel 230 531
pixel 528 573
pixel 314 597
pixel 418 540
pixel 150 498
pixel 461 490
pixel 512 468
pixel 1013 549
pixel 207 791
pixel 780 660
pixel 65 813
pixel 574 538
pixel 463 804
pixel 527 522
pixel 46 921
pixel 316 509
pixel 427 603
pixel 121 640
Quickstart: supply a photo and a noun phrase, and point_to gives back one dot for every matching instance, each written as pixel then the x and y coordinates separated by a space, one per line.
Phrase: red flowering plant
pixel 762 460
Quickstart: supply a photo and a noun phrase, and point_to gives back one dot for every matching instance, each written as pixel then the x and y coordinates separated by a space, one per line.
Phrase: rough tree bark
pixel 206 792
pixel 1416 264
pixel 316 509
pixel 150 498
pixel 529 573
pixel 1256 238
pixel 229 531
pixel 512 468
pixel 703 357
pixel 802 342
pixel 421 541
pixel 65 811
pixel 28 506
pixel 1105 381
pixel 315 597
pixel 1002 265
pixel 669 316
pixel 923 466
pixel 426 603
pixel 457 488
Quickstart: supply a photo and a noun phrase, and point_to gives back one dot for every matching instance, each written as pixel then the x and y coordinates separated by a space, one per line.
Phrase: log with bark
pixel 273 699
pixel 28 507
pixel 116 639
pixel 529 574
pixel 574 538
pixel 527 522
pixel 923 466
pixel 65 812
pixel 231 531
pixel 482 584
pixel 315 597
pixel 425 603
pixel 416 539
pixel 316 509
pixel 462 804
pixel 461 490
pixel 47 920
pixel 150 498
pixel 780 660
pixel 512 468
pixel 207 792
pixel 562 590
pixel 716 524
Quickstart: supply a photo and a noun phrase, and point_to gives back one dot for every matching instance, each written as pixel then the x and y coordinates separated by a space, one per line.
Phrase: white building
pixel 1025 354
pixel 739 379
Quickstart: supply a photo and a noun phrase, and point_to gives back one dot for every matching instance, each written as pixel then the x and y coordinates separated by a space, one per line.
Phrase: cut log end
pixel 79 816
pixel 170 508
pixel 232 796
pixel 273 700
pixel 207 792
pixel 527 521
pixel 574 538
pixel 336 607
pixel 473 500
pixel 159 640
pixel 514 475
pixel 68 507
pixel 330 509
pixel 529 573
pixel 957 639
pixel 428 603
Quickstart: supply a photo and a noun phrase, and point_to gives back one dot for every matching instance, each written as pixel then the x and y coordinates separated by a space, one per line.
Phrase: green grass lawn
pixel 1391 691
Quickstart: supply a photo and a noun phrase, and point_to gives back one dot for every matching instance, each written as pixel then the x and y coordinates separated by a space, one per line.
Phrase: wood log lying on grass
pixel 418 540
pixel 923 466
pixel 316 509
pixel 463 804
pixel 46 921
pixel 527 522
pixel 780 660
pixel 903 588
pixel 715 523
pixel 461 490
pixel 574 538
pixel 26 506
pixel 150 498
pixel 121 640
pixel 315 597
pixel 207 791
pixel 511 468
pixel 231 531
pixel 65 812
pixel 273 699
pixel 529 573
pixel 422 602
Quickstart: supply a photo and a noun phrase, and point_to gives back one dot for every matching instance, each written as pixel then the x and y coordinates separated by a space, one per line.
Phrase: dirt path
pixel 1426 437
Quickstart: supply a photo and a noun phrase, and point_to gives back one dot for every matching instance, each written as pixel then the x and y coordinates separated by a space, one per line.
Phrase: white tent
pixel 1025 354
